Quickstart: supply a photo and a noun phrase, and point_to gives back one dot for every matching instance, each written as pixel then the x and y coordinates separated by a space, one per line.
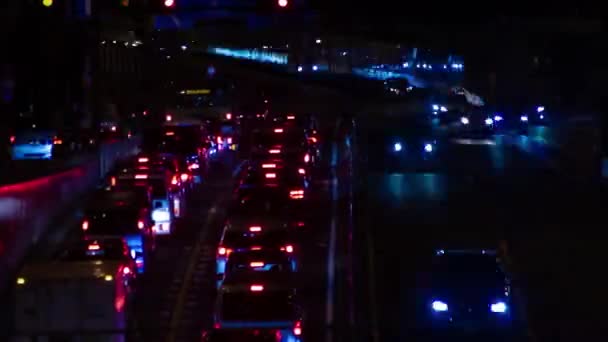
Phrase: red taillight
pixel 291 117
pixel 184 177
pixel 170 134
pixel 229 140
pixel 256 248
pixel 94 247
pixel 228 116
pixel 278 130
pixel 12 139
pixel 306 158
pixel 113 128
pixel 126 270
pixel 256 264
pixel 217 326
pixel 269 166
pixel 85 225
pixel 143 160
pixel 57 141
pixel 174 180
pixel 296 194
pixel 302 171
pixel 168 118
pixel 288 249
pixel 271 175
pixel 219 140
pixel 297 329
pixel 113 181
pixel 224 251
pixel 313 140
pixel 141 176
pixel 256 288
pixel 140 224
pixel 255 229
pixel 274 151
pixel 300 224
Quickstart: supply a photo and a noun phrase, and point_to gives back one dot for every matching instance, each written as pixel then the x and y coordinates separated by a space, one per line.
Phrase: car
pixel 106 219
pixel 252 234
pixel 33 144
pixel 465 290
pixel 474 123
pixel 282 142
pixel 265 301
pixel 283 186
pixel 262 260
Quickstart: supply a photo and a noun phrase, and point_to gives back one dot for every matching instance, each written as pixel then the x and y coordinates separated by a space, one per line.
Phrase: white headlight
pixel 489 121
pixel 464 120
pixel 443 109
pixel 397 147
pixel 499 307
pixel 439 306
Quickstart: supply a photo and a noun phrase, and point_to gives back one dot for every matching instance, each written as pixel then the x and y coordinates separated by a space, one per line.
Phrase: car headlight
pixel 443 109
pixel 498 307
pixel 435 107
pixel 464 120
pixel 397 147
pixel 489 121
pixel 428 147
pixel 439 306
pixel 523 118
pixel 497 118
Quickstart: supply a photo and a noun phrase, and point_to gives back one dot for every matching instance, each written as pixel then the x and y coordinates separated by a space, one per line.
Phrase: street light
pixel 47 3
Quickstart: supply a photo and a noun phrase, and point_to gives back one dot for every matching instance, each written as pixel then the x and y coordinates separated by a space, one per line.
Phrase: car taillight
pixel 302 171
pixel 228 116
pixel 269 166
pixel 256 248
pixel 287 248
pixel 113 128
pixel 300 224
pixel 12 139
pixel 271 175
pixel 297 328
pixel 291 117
pixel 174 180
pixel 274 151
pixel 296 194
pixel 85 225
pixel 141 176
pixel 143 160
pixel 184 177
pixel 126 270
pixel 140 224
pixel 256 264
pixel 255 229
pixel 278 130
pixel 313 140
pixel 256 288
pixel 306 158
pixel 219 140
pixel 113 181
pixel 93 247
pixel 229 140
pixel 193 166
pixel 57 141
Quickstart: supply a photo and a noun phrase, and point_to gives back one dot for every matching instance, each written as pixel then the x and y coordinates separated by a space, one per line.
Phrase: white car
pixel 33 145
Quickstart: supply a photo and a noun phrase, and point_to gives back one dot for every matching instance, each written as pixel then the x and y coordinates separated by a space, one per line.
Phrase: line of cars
pixel 88 288
pixel 258 255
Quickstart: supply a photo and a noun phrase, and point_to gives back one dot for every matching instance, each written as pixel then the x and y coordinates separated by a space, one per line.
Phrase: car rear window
pixel 117 221
pixel 259 306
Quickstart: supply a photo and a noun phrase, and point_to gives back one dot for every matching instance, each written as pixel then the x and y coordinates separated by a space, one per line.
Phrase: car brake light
pixel 274 151
pixel 300 224
pixel 313 140
pixel 296 194
pixel 174 180
pixel 126 270
pixel 306 158
pixel 12 139
pixel 302 171
pixel 269 166
pixel 256 264
pixel 229 140
pixel 140 224
pixel 143 160
pixel 256 288
pixel 278 130
pixel 256 248
pixel 224 251
pixel 113 181
pixel 290 117
pixel 288 249
pixel 271 175
pixel 168 118
pixel 228 116
pixel 141 176
pixel 297 329
pixel 170 134
pixel 85 225
pixel 219 140
pixel 113 128
pixel 57 141
pixel 193 166
pixel 255 229
pixel 94 247
pixel 184 177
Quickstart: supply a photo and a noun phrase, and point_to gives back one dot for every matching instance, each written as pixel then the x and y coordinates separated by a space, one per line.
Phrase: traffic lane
pixel 16 171
pixel 463 203
pixel 175 293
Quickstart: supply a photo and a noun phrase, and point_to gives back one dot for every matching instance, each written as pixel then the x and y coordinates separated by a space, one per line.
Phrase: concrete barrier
pixel 28 209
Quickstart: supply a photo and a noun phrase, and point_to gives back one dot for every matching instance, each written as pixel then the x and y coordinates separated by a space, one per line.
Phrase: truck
pixel 75 299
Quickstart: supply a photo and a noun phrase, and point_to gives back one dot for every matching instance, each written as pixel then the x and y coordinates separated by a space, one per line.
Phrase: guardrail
pixel 27 209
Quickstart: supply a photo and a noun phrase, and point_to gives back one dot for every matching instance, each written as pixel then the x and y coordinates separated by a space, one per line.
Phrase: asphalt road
pixel 470 196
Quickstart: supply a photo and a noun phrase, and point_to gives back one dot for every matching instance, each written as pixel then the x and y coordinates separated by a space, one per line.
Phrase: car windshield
pixel 263 306
pixel 452 270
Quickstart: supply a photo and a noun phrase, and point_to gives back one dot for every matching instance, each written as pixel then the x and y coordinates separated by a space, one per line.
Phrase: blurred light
pixel 499 307
pixel 445 66
pixel 315 68
pixel 405 65
pixel 283 3
pixel 524 118
pixel 318 41
pixel 108 278
pixel 141 176
pixel 269 166
pixel 300 68
pixel 497 118
pixel 184 47
pixel 184 177
pixel 428 147
pixel 541 116
pixel 256 288
pixel 278 130
pixel 489 121
pixel 439 306
pixel 289 249
pixel 228 116
pixel 255 229
pixel 143 160
pixel 20 281
pixel 306 158
pixel 443 109
pixel 440 252
pixel 271 175
pixel 160 215
pixel 435 107
pixel 47 3
pixel 113 128
pixel 169 3
pixel 168 118
pixel 302 171
pixel 540 109
pixel 464 120
pixel 397 147
pixel 126 270
pixel 256 264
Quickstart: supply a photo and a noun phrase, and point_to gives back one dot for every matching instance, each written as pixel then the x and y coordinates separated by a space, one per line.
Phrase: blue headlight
pixel 540 109
pixel 439 306
pixel 524 118
pixel 489 121
pixel 435 107
pixel 428 147
pixel 497 118
pixel 397 147
pixel 498 307
pixel 464 120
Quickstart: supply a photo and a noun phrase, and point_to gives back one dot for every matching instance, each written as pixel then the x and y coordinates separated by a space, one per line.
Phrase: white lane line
pixel 331 251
